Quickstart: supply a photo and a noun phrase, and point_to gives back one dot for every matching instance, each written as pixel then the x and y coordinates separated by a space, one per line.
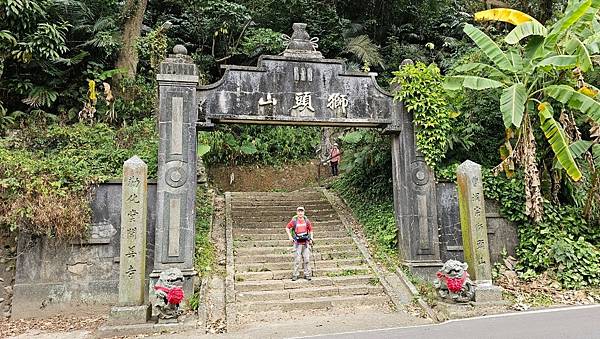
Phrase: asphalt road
pixel 575 322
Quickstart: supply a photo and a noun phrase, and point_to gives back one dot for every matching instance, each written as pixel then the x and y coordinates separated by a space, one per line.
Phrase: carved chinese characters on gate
pixel 303 105
pixel 338 103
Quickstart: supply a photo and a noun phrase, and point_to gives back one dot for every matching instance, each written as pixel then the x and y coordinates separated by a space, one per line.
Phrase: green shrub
pixel 267 145
pixel 46 173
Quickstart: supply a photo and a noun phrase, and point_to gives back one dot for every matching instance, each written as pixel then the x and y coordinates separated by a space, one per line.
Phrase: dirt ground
pixel 266 179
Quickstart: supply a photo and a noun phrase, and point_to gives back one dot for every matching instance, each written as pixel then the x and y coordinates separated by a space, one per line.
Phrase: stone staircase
pixel 263 258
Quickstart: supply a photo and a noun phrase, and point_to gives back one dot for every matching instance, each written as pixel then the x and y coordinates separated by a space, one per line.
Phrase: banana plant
pixel 539 65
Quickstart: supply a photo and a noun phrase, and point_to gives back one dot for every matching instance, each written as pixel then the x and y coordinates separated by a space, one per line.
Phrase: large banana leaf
pixel 489 47
pixel 515 58
pixel 578 148
pixel 559 61
pixel 584 61
pixel 512 105
pixel 505 15
pixel 574 12
pixel 480 67
pixel 592 43
pixel 579 101
pixel 557 140
pixel 467 81
pixel 533 46
pixel 524 30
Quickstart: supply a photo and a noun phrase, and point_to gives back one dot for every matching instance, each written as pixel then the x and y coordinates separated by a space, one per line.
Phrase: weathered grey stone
pixel 298 88
pixel 488 293
pixel 472 219
pixel 133 233
pixel 177 179
pixel 180 49
pixel 502 234
pixel 42 276
pixel 471 203
pixel 125 315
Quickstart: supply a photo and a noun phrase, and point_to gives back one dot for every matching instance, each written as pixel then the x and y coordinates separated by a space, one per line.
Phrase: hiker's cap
pixel 300 208
pixel 335 144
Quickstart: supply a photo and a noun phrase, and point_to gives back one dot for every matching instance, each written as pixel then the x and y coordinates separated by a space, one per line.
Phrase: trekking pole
pixel 312 246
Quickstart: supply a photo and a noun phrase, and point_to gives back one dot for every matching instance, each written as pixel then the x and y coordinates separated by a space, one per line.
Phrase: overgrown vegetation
pixel 424 97
pixel 266 145
pixel 46 174
pixel 204 259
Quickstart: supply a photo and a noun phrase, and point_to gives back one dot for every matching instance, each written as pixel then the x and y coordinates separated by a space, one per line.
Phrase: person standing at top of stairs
pixel 300 233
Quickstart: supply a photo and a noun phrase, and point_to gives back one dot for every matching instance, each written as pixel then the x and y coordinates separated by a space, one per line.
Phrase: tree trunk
pixel 133 12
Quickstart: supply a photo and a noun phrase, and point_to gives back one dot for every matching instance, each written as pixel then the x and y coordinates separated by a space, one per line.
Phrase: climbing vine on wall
pixel 422 93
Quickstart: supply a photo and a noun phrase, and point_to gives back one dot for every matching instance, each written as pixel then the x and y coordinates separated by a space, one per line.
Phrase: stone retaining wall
pixel 53 276
pixel 502 234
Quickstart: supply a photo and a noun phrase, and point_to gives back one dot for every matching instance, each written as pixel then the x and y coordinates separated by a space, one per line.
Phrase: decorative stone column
pixel 471 203
pixel 414 199
pixel 176 191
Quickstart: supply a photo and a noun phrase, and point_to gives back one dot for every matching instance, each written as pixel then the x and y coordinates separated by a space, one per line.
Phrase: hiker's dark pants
pixel 334 168
pixel 302 253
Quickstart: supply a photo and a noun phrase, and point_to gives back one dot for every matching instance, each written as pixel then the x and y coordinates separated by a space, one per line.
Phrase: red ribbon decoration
pixel 174 295
pixel 454 284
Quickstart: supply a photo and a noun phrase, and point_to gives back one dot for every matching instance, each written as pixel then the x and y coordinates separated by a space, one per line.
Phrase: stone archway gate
pixel 298 88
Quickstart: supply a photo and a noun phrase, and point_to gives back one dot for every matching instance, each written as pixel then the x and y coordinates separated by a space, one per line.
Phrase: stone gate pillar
pixel 414 200
pixel 176 191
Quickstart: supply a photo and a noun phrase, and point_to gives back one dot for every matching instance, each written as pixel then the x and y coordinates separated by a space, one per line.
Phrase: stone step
pixel 312 303
pixel 240 202
pixel 289 257
pixel 267 285
pixel 281 235
pixel 265 267
pixel 283 196
pixel 309 292
pixel 278 208
pixel 264 213
pixel 290 207
pixel 281 243
pixel 277 224
pixel 287 274
pixel 283 218
pixel 289 249
pixel 317 231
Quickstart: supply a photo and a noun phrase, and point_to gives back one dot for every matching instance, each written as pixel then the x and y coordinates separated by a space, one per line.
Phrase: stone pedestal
pixel 126 315
pixel 488 293
pixel 471 204
pixel 176 191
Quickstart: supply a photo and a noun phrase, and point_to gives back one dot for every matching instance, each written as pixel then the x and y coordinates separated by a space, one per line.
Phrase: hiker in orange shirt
pixel 300 233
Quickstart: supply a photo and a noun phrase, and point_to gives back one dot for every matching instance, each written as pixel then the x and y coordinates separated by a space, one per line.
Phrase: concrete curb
pixel 202 311
pixel 346 220
pixel 417 297
pixel 230 311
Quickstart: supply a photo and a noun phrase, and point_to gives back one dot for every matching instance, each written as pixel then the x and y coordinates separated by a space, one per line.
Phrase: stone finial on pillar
pixel 471 202
pixel 176 191
pixel 132 266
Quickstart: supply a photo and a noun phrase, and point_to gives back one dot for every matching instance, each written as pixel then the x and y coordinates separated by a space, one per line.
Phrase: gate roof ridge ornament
pixel 300 44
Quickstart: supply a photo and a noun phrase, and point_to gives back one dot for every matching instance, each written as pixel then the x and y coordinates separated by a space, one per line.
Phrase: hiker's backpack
pixel 305 236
